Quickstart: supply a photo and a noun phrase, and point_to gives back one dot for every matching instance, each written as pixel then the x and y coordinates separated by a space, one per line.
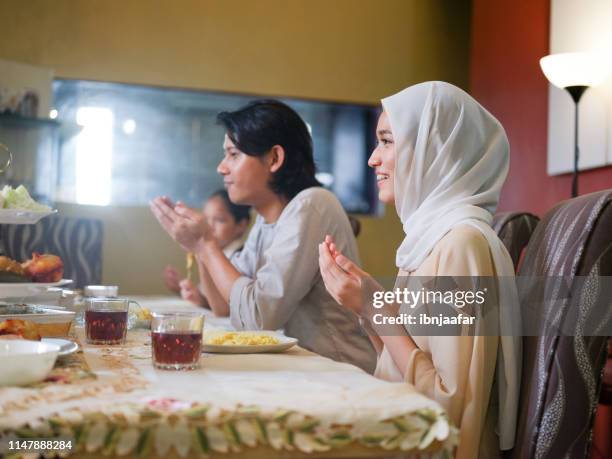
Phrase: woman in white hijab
pixel 442 158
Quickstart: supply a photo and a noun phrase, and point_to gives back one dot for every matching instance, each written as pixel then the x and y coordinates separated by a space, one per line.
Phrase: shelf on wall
pixel 26 121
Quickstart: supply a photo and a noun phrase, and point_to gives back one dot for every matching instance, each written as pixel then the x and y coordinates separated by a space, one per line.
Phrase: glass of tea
pixel 106 320
pixel 176 339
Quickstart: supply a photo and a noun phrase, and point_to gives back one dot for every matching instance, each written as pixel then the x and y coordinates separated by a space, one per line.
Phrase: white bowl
pixel 25 362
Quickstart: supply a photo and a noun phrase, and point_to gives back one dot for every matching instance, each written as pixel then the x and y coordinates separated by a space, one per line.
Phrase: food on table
pixel 11 271
pixel 143 314
pixel 19 199
pixel 139 317
pixel 242 339
pixel 41 268
pixel 49 322
pixel 55 329
pixel 190 262
pixel 24 328
pixel 44 268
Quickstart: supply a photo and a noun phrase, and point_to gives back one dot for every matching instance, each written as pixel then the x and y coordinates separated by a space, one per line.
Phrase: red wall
pixel 508 39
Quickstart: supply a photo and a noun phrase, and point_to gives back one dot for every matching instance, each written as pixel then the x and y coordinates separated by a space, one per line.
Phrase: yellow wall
pixel 347 50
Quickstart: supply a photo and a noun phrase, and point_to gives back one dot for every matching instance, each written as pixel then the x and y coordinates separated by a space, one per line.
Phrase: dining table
pixel 110 401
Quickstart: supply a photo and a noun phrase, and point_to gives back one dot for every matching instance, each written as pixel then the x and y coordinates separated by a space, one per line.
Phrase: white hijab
pixel 452 158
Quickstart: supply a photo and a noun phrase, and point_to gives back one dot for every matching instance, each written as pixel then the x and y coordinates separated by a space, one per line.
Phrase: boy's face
pixel 245 177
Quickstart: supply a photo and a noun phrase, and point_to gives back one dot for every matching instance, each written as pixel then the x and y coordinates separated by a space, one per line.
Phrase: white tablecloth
pixel 303 387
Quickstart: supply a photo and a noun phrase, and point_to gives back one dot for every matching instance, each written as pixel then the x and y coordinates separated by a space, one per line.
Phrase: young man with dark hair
pixel 274 282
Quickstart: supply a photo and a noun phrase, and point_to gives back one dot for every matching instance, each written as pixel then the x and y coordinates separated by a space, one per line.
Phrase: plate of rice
pixel 245 342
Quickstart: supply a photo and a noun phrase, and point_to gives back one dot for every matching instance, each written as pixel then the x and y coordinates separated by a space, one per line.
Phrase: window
pixel 93 155
pixel 137 142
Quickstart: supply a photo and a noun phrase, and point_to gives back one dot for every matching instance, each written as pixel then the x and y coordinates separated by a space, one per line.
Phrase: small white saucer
pixel 67 347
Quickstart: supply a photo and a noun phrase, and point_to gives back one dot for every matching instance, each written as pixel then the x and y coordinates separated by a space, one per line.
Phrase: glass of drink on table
pixel 106 320
pixel 176 339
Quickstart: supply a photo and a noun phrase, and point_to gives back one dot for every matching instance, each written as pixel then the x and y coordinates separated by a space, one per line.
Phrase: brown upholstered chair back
pixel 514 229
pixel 561 373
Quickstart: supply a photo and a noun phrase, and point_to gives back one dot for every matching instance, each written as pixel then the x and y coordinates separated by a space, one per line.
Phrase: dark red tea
pixel 176 347
pixel 105 327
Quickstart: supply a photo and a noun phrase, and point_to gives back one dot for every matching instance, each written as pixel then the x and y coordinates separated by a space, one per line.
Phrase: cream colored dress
pixel 456 371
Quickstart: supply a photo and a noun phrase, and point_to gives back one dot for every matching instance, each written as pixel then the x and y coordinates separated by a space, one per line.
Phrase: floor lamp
pixel 574 72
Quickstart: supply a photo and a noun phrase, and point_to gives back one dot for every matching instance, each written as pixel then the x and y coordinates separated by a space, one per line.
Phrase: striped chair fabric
pixel 562 372
pixel 515 229
pixel 78 241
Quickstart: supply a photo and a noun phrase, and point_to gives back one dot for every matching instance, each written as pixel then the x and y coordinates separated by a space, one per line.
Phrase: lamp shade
pixel 573 69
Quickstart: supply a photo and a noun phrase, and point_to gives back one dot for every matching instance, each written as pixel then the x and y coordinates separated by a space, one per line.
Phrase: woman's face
pixel 222 223
pixel 245 177
pixel 383 159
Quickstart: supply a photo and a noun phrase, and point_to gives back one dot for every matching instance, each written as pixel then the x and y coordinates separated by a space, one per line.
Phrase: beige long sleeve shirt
pixel 281 286
pixel 456 371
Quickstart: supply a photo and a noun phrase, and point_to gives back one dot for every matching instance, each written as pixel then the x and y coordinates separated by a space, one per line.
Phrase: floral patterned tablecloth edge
pixel 160 425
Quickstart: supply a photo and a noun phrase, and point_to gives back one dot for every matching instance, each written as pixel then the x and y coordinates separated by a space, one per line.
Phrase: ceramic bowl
pixel 25 362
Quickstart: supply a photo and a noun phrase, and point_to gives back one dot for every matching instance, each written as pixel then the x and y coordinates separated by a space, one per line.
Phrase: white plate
pixel 66 346
pixel 24 289
pixel 285 343
pixel 37 313
pixel 22 217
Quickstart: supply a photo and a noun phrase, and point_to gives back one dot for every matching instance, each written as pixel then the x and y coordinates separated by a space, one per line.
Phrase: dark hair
pixel 239 212
pixel 261 124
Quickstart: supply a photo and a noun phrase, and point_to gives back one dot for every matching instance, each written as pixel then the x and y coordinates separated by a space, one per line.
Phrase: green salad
pixel 19 198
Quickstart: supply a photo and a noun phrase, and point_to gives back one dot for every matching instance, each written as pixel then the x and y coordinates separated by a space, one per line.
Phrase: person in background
pixel 229 223
pixel 274 282
pixel 442 159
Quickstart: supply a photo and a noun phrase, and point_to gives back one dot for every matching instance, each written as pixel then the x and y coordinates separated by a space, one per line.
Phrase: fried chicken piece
pixel 10 265
pixel 23 328
pixel 11 271
pixel 44 268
